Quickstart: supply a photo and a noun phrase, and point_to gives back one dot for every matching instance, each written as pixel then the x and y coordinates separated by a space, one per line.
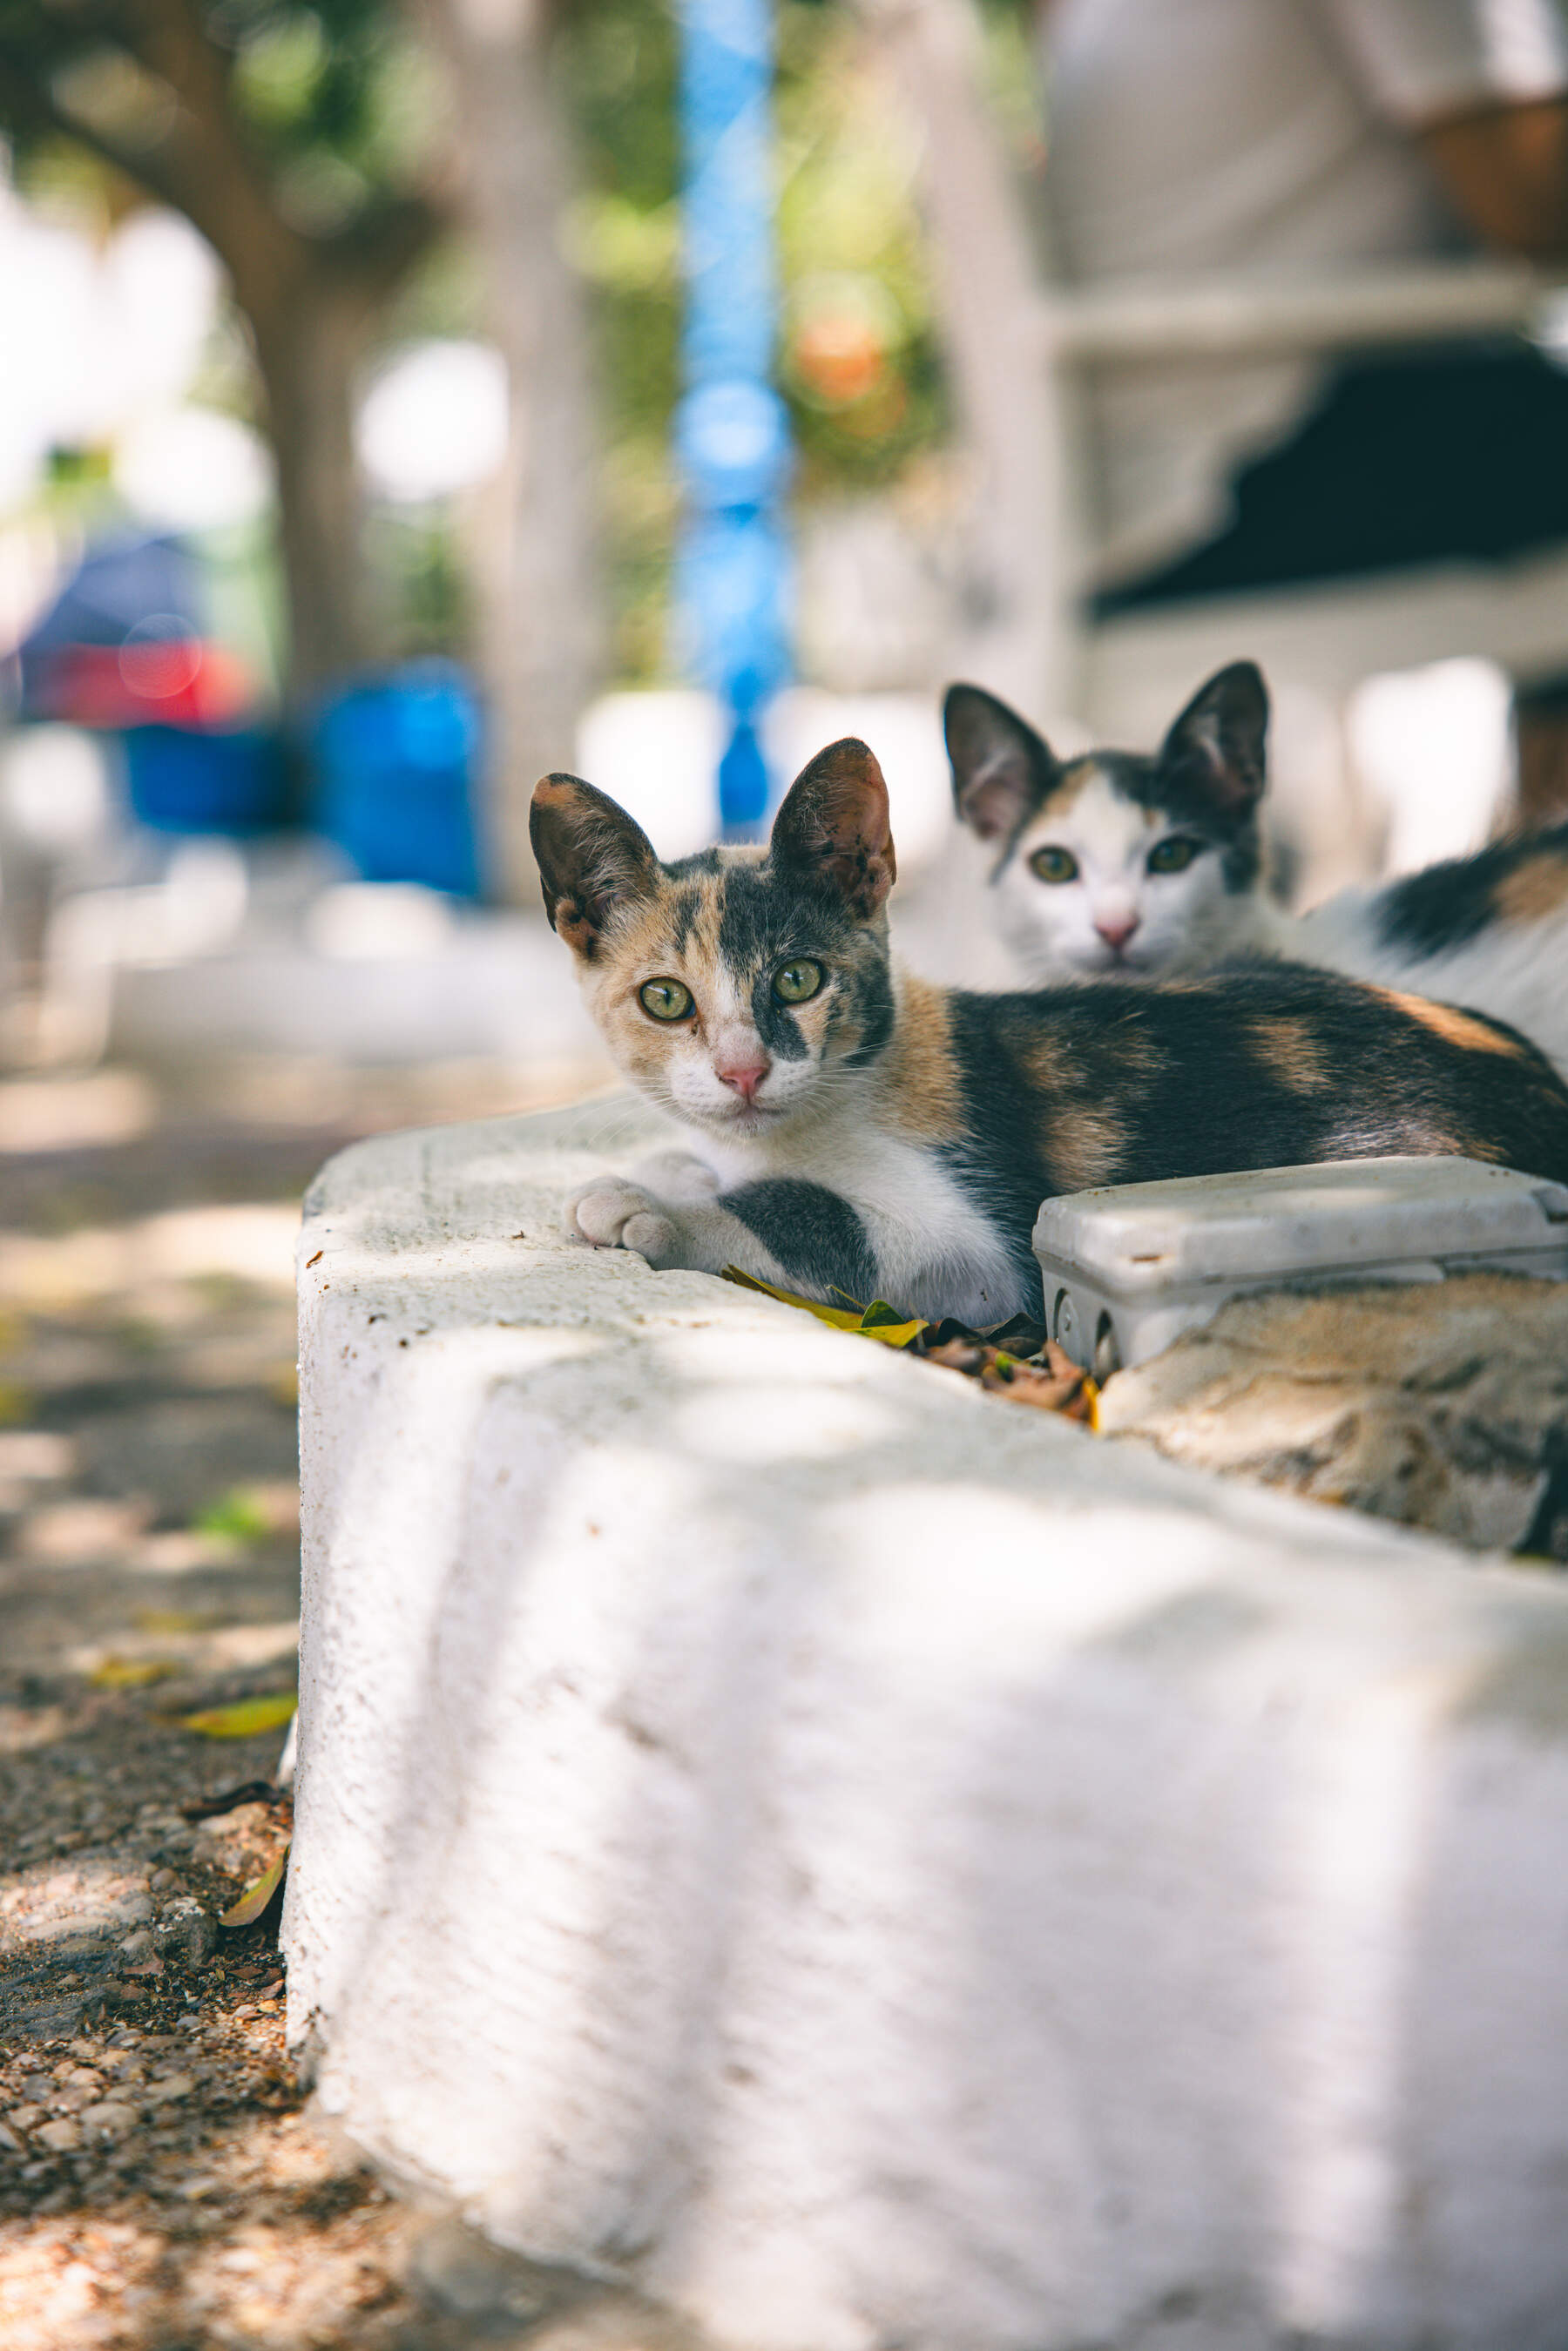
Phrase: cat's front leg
pixel 692 1235
pixel 797 1234
pixel 676 1176
pixel 613 1212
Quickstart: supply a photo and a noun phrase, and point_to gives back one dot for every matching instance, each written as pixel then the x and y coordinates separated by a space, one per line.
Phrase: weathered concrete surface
pixel 863 1865
pixel 1442 1406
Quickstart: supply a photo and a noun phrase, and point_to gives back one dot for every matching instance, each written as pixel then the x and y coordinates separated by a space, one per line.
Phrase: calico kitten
pixel 1118 862
pixel 1115 861
pixel 853 1130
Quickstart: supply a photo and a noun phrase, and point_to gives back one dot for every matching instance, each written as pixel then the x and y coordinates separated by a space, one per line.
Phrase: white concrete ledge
pixel 871 1866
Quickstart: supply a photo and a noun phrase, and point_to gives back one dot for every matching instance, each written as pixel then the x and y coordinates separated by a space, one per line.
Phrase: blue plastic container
pixel 394 765
pixel 185 779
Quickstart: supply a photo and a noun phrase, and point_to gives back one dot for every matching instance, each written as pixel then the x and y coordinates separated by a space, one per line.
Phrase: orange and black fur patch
pixel 1055 1100
pixel 1447 906
pixel 919 1128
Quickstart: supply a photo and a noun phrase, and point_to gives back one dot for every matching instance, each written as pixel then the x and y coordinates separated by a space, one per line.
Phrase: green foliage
pixel 236 1517
pixel 343 103
pixel 858 358
pixel 416 565
pixel 339 103
pixel 858 361
pixel 618 71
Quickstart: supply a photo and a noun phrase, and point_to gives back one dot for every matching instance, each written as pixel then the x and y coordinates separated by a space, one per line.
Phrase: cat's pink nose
pixel 1116 929
pixel 744 1076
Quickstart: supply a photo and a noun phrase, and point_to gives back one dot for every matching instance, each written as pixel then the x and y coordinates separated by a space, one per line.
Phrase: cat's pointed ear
pixel 1218 746
pixel 833 832
pixel 591 858
pixel 1001 769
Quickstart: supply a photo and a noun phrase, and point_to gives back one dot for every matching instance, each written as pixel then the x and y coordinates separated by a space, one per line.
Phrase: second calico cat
pixel 1117 862
pixel 846 1129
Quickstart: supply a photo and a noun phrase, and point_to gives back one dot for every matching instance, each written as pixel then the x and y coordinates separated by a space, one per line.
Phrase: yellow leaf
pixel 842 1318
pixel 256 1897
pixel 246 1716
pixel 168 1621
pixel 15 1403
pixel 883 1321
pixel 877 1320
pixel 129 1673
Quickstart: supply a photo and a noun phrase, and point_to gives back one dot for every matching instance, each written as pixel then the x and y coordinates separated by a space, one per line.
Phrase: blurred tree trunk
pixel 309 351
pixel 311 300
pixel 1015 411
pixel 541 624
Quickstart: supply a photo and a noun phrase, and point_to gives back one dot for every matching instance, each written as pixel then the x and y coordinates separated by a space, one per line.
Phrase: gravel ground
pixel 163 2185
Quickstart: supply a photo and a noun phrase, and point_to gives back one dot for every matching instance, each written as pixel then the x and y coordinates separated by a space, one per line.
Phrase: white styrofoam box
pixel 869 1865
pixel 1129 1266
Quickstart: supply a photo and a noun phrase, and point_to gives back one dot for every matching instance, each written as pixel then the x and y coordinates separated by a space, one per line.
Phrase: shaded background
pixel 338 497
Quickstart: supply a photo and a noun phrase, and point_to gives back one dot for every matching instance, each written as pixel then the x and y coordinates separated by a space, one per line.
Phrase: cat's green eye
pixel 1174 855
pixel 1054 864
pixel 666 999
pixel 797 983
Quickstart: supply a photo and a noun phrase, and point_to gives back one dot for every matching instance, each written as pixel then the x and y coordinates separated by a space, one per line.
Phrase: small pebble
pixel 175 2085
pixel 109 2118
pixel 60 2137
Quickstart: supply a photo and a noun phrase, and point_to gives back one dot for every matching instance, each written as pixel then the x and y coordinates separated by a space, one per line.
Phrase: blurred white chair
pixel 1017 344
pixel 1429 744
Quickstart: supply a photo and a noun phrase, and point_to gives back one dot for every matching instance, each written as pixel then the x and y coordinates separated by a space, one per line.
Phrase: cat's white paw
pixel 677 1175
pixel 611 1212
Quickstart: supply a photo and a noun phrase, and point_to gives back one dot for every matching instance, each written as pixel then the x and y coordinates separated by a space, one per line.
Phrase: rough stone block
pixel 1441 1406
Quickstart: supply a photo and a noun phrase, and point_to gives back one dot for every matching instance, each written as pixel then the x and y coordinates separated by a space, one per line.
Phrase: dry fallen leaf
pixel 256 1897
pixel 229 1800
pixel 244 1718
pixel 129 1673
pixel 1031 1369
pixel 1055 1384
pixel 877 1320
pixel 168 1621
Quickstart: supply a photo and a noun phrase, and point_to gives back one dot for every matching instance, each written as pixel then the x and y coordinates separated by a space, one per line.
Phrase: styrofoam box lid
pixel 1280 1220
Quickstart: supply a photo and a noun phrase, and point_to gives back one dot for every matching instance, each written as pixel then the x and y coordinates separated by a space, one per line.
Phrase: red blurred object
pixel 839 357
pixel 149 681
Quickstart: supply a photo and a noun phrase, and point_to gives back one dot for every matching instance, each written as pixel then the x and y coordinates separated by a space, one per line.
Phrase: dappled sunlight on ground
pixel 162 2187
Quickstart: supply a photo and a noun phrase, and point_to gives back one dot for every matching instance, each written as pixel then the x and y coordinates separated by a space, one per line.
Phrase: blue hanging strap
pixel 732 438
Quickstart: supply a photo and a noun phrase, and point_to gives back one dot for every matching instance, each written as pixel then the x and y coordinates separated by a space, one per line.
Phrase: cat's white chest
pixel 936 1252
